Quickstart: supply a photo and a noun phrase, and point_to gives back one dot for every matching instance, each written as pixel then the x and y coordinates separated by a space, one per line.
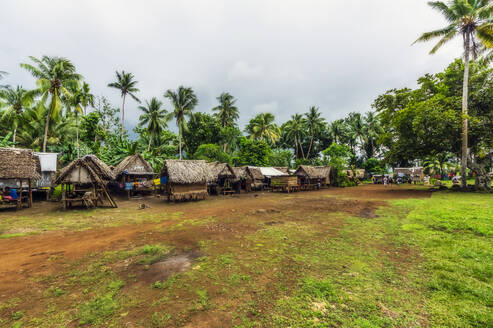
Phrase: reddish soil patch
pixel 27 257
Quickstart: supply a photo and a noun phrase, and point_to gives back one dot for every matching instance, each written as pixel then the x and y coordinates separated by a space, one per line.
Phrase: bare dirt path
pixel 24 258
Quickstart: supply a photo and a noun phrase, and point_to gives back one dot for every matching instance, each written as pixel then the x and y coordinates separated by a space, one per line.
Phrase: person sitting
pixel 7 194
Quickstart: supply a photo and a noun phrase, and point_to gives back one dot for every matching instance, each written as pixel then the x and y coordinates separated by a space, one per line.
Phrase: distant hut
pixel 311 177
pixel 257 177
pixel 415 173
pixel 134 174
pixel 283 169
pixel 48 167
pixel 18 168
pixel 244 179
pixel 185 179
pixel 85 180
pixel 221 178
pixel 285 182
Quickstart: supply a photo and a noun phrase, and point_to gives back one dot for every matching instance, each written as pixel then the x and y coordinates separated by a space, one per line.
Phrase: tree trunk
pixel 77 132
pixel 149 145
pixel 47 125
pixel 296 147
pixel 310 147
pixel 465 92
pixel 225 146
pixel 482 179
pixel 123 115
pixel 302 151
pixel 179 138
pixel 13 137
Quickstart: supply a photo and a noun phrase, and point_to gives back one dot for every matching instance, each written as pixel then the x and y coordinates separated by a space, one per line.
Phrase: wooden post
pixel 64 197
pixel 30 193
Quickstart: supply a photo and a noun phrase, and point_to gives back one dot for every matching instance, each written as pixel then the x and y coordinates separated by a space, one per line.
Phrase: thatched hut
pixel 257 177
pixel 18 167
pixel 311 177
pixel 356 174
pixel 85 180
pixel 283 169
pixel 244 179
pixel 221 178
pixel 135 175
pixel 185 179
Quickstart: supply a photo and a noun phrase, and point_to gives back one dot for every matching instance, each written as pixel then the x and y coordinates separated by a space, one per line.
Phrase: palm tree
pixel 337 130
pixel 227 112
pixel 262 126
pixel 14 101
pixel 80 98
pixel 126 84
pixel 2 74
pixel 295 130
pixel 314 123
pixel 55 75
pixel 371 129
pixel 155 117
pixel 472 20
pixel 184 101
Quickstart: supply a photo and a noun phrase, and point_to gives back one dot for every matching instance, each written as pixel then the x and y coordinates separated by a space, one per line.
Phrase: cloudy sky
pixel 279 56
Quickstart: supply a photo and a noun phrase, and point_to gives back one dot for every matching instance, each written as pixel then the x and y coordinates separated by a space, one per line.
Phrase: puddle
pixel 173 265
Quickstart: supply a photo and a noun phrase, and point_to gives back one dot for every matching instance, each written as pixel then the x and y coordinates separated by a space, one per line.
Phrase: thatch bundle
pixel 219 170
pixel 18 163
pixel 313 172
pixel 185 171
pixel 134 165
pixel 99 172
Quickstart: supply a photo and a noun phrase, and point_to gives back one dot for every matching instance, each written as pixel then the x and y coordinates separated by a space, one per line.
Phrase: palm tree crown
pixel 184 101
pixel 155 117
pixel 314 123
pixel 262 126
pixel 13 102
pixel 55 75
pixel 126 84
pixel 295 131
pixel 227 112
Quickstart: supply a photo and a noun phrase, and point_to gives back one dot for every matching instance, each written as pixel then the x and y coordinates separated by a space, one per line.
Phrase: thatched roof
pixel 313 172
pixel 99 171
pixel 241 172
pixel 18 163
pixel 283 169
pixel 220 170
pixel 255 173
pixel 185 171
pixel 134 165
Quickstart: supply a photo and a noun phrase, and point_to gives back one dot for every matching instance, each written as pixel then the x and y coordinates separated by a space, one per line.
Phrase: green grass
pixel 421 263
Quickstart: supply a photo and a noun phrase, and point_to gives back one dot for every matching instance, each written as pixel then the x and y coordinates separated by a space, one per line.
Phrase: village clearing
pixel 367 256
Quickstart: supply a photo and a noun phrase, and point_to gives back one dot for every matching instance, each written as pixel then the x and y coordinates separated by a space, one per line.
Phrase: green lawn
pixel 421 263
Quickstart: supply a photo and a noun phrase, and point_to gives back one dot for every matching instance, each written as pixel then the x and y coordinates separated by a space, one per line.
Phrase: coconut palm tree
pixel 55 75
pixel 80 98
pixel 126 84
pixel 155 117
pixel 14 102
pixel 337 130
pixel 227 112
pixel 295 130
pixel 314 123
pixel 472 20
pixel 184 101
pixel 262 126
pixel 372 129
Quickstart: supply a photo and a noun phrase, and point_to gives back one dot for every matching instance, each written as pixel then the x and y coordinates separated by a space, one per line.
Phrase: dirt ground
pixel 25 259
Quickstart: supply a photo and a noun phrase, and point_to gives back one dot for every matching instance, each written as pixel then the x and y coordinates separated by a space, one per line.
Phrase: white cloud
pixel 270 107
pixel 242 70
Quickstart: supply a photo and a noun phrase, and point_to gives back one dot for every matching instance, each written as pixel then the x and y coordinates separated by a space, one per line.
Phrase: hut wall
pixel 284 181
pixel 181 192
pixel 79 175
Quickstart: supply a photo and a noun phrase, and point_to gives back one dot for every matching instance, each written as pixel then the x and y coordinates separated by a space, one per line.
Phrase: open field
pixel 367 256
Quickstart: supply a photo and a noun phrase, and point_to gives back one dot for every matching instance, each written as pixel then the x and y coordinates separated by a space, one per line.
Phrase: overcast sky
pixel 278 56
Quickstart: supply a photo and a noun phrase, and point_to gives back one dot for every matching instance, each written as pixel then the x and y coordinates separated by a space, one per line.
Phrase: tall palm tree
pixel 262 126
pixel 55 75
pixel 472 20
pixel 2 74
pixel 295 130
pixel 155 117
pixel 126 84
pixel 371 129
pixel 227 112
pixel 184 101
pixel 80 98
pixel 13 102
pixel 314 123
pixel 337 130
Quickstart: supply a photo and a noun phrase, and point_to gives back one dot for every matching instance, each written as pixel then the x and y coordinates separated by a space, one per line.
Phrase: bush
pixel 211 153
